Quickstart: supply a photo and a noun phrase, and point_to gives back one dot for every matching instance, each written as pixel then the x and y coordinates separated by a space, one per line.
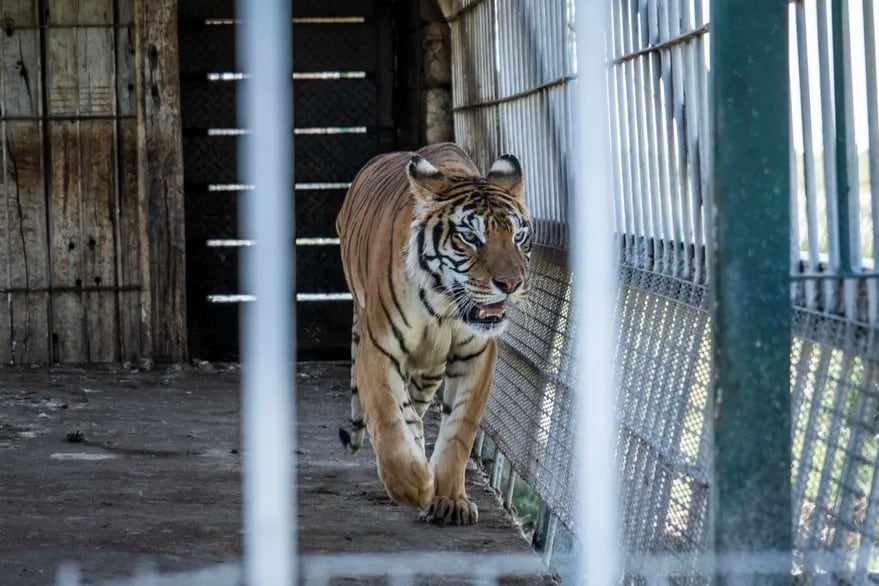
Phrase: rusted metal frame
pixel 678 40
pixel 560 81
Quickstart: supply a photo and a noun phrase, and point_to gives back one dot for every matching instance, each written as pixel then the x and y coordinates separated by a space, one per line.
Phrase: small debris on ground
pixel 76 437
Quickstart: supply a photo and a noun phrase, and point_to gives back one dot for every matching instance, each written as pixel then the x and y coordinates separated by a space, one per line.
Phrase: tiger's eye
pixel 470 238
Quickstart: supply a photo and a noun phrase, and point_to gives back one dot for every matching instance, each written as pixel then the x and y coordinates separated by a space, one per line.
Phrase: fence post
pixel 264 41
pixel 750 309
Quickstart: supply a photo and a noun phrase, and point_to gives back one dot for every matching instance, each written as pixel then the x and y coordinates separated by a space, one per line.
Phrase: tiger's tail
pixel 353 440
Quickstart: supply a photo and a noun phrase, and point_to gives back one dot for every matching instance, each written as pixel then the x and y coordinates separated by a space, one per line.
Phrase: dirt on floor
pixel 117 469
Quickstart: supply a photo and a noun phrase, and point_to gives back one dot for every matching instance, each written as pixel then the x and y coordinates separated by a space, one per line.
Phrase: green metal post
pixel 841 75
pixel 750 309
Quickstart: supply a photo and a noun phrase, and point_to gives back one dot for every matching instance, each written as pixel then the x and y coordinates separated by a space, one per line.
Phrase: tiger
pixel 433 253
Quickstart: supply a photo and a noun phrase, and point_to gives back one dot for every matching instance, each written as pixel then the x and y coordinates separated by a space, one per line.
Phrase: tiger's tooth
pixel 481 313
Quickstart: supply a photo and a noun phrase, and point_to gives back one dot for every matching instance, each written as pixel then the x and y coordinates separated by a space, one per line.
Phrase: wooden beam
pixel 160 153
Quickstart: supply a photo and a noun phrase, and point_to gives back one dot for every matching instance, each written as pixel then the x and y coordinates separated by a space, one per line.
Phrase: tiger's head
pixel 471 240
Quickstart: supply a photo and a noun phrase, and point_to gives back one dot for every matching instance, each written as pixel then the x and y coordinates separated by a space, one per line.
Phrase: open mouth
pixel 489 314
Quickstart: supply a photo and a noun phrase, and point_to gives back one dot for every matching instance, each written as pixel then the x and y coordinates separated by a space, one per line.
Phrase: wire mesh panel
pixel 834 202
pixel 513 72
pixel 658 127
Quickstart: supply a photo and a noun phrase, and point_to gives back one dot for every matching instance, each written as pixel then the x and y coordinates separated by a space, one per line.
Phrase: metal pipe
pixel 873 159
pixel 839 20
pixel 594 277
pixel 264 42
pixel 750 306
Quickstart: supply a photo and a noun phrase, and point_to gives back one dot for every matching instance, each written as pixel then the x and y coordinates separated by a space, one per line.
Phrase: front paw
pixel 451 511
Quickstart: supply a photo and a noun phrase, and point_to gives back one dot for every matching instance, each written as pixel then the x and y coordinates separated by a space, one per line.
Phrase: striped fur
pixel 433 253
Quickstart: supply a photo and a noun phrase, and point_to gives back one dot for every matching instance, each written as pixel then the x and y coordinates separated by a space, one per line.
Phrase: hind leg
pixel 354 440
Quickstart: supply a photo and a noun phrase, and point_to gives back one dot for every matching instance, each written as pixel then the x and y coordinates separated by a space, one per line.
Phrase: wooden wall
pixel 91 222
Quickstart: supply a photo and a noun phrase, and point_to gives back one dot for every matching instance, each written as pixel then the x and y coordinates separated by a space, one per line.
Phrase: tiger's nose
pixel 507 285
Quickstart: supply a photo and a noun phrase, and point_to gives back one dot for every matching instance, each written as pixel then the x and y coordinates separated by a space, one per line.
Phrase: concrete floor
pixel 116 469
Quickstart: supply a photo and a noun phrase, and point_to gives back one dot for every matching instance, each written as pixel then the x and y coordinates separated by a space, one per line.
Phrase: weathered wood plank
pixel 26 263
pixel 99 216
pixel 128 263
pixel 30 328
pixel 96 48
pixel 61 72
pixel 80 71
pixel 80 78
pixel 24 330
pixel 6 205
pixel 82 12
pixel 161 163
pixel 20 64
pixel 67 246
pixel 126 95
pixel 125 16
pixel 20 13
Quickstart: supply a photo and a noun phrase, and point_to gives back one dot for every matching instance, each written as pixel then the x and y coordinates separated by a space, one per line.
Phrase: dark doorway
pixel 343 83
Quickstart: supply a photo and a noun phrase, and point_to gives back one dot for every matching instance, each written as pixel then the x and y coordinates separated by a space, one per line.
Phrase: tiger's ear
pixel 506 173
pixel 426 180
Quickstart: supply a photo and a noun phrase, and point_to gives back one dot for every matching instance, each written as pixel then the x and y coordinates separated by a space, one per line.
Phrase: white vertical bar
pixel 686 224
pixel 844 79
pixel 619 169
pixel 828 131
pixel 808 153
pixel 623 121
pixel 648 175
pixel 873 133
pixel 594 273
pixel 675 216
pixel 642 191
pixel 657 140
pixel 694 103
pixel 266 157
